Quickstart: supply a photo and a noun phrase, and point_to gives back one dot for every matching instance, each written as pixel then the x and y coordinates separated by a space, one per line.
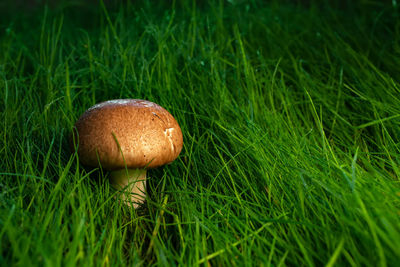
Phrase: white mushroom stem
pixel 132 183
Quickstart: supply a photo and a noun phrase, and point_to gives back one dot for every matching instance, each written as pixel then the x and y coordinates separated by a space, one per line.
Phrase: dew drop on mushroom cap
pixel 128 136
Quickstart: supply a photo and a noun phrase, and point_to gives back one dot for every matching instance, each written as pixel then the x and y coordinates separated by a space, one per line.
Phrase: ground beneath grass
pixel 290 113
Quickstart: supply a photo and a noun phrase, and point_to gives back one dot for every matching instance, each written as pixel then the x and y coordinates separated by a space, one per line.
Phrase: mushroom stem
pixel 131 182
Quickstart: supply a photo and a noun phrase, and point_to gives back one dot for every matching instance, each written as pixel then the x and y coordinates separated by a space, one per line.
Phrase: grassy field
pixel 291 122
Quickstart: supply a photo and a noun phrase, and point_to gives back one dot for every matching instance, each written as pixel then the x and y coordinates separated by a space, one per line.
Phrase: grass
pixel 291 123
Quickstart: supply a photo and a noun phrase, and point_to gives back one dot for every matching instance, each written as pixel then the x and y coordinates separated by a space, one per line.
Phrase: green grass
pixel 291 123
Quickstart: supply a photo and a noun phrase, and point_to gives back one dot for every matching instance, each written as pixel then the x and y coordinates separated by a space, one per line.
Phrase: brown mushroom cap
pixel 128 132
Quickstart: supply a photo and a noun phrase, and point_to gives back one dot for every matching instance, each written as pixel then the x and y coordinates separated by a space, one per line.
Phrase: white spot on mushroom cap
pixel 168 134
pixel 111 102
pixel 133 102
pixel 147 103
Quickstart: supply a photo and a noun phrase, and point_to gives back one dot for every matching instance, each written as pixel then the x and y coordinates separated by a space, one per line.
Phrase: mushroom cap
pixel 127 132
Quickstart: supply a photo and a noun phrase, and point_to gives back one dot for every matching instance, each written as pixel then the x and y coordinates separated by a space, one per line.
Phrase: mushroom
pixel 126 137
